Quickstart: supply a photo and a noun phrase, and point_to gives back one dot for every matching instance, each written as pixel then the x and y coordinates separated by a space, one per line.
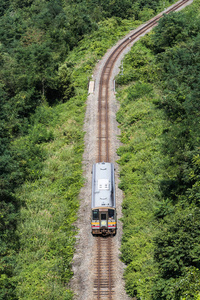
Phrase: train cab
pixel 104 221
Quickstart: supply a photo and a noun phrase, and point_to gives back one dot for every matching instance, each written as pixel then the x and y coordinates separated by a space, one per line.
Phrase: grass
pixel 141 169
pixel 49 206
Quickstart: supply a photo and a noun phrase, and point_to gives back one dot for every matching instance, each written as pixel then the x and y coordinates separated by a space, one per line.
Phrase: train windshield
pixel 103 216
pixel 111 213
pixel 95 214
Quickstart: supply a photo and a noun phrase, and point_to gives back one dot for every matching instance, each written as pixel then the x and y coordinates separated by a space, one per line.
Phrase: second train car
pixel 104 217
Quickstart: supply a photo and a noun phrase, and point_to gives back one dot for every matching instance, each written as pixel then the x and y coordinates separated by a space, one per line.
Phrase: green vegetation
pixel 141 162
pixel 159 119
pixel 42 161
pixel 45 230
pixel 47 52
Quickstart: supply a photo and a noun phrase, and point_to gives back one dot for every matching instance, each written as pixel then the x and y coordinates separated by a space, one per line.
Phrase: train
pixel 104 215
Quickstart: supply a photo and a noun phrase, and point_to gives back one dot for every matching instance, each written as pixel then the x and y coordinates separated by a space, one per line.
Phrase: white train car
pixel 104 217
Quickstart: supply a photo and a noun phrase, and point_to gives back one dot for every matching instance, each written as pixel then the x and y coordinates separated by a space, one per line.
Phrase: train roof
pixel 103 185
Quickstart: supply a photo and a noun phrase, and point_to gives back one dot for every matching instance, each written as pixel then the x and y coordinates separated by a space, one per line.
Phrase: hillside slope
pixel 159 160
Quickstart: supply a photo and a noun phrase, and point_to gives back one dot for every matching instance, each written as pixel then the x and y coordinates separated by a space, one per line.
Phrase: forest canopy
pixel 37 83
pixel 36 38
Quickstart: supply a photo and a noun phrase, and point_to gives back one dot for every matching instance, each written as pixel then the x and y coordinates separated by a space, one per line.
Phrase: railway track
pixel 104 281
pixel 103 286
pixel 104 85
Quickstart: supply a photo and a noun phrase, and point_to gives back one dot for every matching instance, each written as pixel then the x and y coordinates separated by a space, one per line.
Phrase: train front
pixel 104 218
pixel 104 221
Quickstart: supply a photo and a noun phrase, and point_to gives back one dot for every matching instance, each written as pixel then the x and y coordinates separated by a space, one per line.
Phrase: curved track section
pixel 104 86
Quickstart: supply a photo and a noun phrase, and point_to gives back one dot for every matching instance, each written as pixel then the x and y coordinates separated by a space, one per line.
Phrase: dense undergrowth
pixel 48 50
pixel 43 88
pixel 159 119
pixel 49 202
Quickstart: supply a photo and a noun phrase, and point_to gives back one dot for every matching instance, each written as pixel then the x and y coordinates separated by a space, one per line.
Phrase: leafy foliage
pixel 141 162
pixel 161 247
pixel 43 86
pixel 42 111
pixel 49 201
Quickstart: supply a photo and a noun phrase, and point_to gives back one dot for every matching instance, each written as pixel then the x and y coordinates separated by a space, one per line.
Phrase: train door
pixel 103 219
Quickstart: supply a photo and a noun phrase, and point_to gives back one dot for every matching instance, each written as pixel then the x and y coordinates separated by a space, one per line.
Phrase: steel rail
pixel 104 281
pixel 103 97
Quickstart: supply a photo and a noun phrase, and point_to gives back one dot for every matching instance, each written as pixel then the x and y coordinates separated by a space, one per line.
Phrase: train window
pixel 95 214
pixel 111 213
pixel 103 216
